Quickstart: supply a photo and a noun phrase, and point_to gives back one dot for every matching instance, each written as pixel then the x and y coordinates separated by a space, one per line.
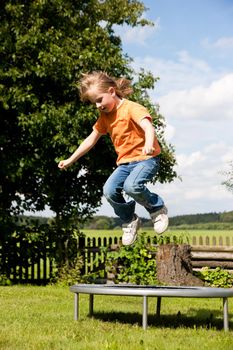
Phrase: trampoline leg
pixel 225 314
pixel 158 307
pixel 145 312
pixel 76 306
pixel 91 303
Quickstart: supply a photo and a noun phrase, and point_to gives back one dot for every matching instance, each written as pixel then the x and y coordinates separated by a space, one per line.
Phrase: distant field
pixel 187 235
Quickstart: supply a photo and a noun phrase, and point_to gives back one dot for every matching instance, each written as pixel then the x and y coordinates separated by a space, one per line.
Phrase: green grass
pixel 185 233
pixel 41 318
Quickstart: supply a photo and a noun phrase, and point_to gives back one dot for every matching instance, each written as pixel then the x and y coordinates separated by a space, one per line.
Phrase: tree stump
pixel 174 265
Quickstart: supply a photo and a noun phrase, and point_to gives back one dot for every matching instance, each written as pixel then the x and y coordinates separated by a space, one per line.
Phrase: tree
pixel 45 45
pixel 228 183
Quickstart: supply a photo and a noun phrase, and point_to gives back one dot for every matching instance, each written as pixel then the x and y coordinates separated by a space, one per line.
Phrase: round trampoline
pixel 150 291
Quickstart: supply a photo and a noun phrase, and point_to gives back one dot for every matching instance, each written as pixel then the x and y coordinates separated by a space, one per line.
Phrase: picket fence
pixel 24 261
pixel 29 262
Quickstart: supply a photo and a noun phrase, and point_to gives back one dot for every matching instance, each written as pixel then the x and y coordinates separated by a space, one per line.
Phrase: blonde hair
pixel 103 82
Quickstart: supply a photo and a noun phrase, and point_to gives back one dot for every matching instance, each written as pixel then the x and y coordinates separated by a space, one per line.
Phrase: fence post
pixel 81 249
pixel 194 240
pixel 44 262
pixel 200 240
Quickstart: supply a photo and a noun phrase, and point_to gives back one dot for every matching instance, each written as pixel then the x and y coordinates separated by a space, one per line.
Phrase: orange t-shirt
pixel 127 136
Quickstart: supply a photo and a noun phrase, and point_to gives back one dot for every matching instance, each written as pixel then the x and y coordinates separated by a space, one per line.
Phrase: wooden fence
pixel 29 262
pixel 207 251
pixel 212 256
pixel 24 261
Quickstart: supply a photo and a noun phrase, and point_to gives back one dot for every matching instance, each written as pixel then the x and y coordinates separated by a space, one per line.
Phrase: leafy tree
pixel 45 45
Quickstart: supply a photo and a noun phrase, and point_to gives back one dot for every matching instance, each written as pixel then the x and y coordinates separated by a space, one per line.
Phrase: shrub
pixel 71 274
pixel 216 277
pixel 4 280
pixel 133 264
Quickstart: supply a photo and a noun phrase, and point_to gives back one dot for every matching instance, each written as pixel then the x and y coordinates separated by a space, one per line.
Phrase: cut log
pixel 174 265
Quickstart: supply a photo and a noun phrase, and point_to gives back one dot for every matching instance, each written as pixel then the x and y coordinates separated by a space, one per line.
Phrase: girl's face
pixel 106 102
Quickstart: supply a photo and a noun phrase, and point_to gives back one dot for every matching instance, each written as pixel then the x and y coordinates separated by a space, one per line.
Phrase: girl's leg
pixel 134 186
pixel 113 192
pixel 141 173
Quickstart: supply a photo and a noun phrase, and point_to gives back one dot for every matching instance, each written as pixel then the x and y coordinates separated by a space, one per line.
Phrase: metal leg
pixel 225 314
pixel 76 306
pixel 145 312
pixel 158 307
pixel 91 303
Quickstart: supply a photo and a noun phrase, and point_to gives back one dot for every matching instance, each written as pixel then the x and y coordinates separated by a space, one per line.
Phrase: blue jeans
pixel 131 178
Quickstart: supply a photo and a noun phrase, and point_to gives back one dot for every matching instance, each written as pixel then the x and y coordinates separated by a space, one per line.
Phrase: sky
pixel 190 48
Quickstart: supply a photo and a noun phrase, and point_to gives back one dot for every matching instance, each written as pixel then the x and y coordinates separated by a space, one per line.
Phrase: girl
pixel 132 133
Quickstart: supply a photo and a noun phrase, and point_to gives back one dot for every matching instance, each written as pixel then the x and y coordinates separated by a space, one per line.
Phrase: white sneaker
pixel 160 220
pixel 130 231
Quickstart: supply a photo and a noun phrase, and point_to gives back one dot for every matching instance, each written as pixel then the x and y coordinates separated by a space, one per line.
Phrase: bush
pixel 216 278
pixel 133 264
pixel 71 274
pixel 4 280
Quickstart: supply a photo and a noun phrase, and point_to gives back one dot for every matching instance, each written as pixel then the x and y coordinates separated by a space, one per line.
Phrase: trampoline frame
pixel 150 291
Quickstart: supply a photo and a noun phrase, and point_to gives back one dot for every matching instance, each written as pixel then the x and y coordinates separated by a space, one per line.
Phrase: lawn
pixel 41 318
pixel 186 234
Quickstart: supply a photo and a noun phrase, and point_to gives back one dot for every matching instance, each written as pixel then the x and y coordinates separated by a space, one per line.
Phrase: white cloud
pixel 193 63
pixel 182 73
pixel 169 132
pixel 137 35
pixel 202 102
pixel 223 43
pixel 185 161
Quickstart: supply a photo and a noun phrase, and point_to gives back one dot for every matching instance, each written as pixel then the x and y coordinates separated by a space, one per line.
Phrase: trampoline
pixel 150 291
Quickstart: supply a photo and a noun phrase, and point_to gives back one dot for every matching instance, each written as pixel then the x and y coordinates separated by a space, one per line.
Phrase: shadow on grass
pixel 201 319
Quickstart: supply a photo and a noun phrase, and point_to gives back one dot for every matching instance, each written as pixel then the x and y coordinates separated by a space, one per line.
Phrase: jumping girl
pixel 129 125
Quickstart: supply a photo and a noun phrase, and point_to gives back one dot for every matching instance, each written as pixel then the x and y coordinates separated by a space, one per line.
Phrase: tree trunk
pixel 174 265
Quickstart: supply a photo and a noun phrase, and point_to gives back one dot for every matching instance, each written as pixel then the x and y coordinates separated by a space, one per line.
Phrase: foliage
pixel 133 264
pixel 101 222
pixel 71 272
pixel 202 218
pixel 206 221
pixel 4 280
pixel 216 277
pixel 211 226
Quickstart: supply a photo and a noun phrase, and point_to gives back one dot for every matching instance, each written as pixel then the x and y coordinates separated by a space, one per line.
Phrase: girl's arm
pixel 149 136
pixel 85 146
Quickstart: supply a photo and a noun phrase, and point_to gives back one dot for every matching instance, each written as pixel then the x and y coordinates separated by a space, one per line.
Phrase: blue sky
pixel 190 48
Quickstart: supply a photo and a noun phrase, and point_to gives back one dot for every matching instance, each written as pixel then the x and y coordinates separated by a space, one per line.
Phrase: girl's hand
pixel 64 164
pixel 147 150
